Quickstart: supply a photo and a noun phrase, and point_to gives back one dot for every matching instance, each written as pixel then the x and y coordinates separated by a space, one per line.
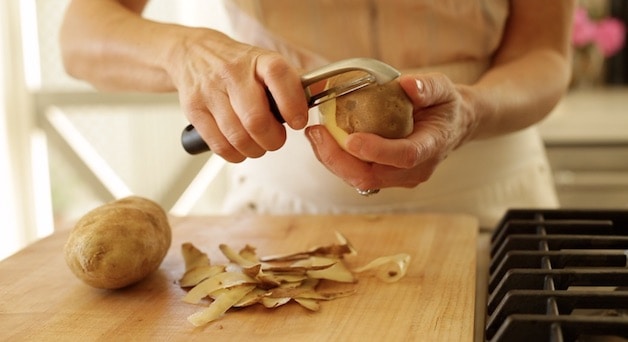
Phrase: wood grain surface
pixel 41 300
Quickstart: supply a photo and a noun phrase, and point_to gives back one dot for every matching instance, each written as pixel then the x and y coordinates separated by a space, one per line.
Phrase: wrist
pixel 177 44
pixel 472 113
pixel 193 50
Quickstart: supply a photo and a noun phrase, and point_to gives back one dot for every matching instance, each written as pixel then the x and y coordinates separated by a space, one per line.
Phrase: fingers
pixel 206 126
pixel 401 153
pixel 232 112
pixel 228 134
pixel 247 121
pixel 251 104
pixel 360 173
pixel 339 162
pixel 442 109
pixel 286 88
pixel 238 126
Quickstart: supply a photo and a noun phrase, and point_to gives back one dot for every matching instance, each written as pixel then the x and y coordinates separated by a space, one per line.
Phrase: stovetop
pixel 559 275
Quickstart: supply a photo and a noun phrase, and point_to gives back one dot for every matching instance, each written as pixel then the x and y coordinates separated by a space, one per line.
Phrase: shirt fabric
pixel 483 178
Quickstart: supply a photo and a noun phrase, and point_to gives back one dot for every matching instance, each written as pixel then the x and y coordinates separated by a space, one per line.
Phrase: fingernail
pixel 314 135
pixel 419 85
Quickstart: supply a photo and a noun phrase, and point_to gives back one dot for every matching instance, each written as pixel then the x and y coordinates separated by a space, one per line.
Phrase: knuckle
pixel 276 66
pixel 255 121
pixel 409 157
pixel 238 138
pixel 196 113
pixel 260 128
pixel 438 85
pixel 192 103
pixel 245 144
pixel 329 161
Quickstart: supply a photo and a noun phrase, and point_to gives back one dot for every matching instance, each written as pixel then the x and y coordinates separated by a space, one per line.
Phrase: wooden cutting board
pixel 41 300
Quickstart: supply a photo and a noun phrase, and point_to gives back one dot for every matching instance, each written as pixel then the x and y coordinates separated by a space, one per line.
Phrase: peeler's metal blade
pixel 331 93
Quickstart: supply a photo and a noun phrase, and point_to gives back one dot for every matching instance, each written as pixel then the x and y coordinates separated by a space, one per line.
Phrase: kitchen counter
pixel 588 117
pixel 40 299
pixel 587 145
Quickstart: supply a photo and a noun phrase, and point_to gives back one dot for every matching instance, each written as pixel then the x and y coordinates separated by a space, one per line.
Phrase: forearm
pixel 517 94
pixel 114 48
pixel 529 73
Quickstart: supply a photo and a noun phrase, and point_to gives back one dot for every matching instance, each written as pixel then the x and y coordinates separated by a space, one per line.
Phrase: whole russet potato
pixel 119 243
pixel 384 110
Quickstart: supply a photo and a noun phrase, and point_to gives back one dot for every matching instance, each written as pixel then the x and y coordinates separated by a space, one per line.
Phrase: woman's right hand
pixel 221 85
pixel 221 82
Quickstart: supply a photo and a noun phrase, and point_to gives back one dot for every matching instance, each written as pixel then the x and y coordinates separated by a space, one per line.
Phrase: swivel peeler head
pixel 375 72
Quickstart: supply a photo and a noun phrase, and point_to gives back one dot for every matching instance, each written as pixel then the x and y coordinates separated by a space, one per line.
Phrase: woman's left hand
pixel 443 120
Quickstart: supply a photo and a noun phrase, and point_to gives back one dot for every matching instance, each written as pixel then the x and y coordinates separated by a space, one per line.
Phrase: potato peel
pixel 196 275
pixel 336 271
pixel 389 268
pixel 310 304
pixel 193 257
pixel 333 250
pixel 220 305
pixel 270 281
pixel 236 257
pixel 217 282
pixel 273 302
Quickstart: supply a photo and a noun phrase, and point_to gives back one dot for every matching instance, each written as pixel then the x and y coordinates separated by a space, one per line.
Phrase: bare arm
pixel 531 70
pixel 108 44
pixel 221 82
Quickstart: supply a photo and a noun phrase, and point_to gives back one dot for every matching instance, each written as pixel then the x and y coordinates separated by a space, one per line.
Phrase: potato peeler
pixel 376 72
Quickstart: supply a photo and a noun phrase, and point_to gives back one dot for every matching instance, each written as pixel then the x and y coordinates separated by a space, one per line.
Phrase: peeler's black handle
pixel 194 144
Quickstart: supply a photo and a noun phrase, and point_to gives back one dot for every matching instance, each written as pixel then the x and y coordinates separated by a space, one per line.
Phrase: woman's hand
pixel 443 120
pixel 221 82
pixel 221 85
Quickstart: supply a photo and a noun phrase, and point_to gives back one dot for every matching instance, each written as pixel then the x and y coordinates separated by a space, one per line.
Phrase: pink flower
pixel 610 36
pixel 584 30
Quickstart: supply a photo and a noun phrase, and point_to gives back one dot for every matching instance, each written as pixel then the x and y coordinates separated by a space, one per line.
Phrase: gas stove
pixel 559 275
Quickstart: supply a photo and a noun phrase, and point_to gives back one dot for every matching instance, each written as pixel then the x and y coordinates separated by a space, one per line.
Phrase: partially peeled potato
pixel 384 110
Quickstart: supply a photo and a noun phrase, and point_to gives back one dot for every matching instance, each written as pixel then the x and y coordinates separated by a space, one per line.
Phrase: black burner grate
pixel 559 275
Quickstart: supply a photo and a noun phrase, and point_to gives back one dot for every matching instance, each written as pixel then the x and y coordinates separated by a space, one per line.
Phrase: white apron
pixel 482 178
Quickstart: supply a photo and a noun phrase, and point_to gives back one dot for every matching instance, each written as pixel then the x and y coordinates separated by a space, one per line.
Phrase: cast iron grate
pixel 559 275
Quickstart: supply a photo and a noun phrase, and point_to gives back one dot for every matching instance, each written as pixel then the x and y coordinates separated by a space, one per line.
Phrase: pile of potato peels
pixel 275 280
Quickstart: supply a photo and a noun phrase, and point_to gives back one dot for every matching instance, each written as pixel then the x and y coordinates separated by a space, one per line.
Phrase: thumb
pixel 426 90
